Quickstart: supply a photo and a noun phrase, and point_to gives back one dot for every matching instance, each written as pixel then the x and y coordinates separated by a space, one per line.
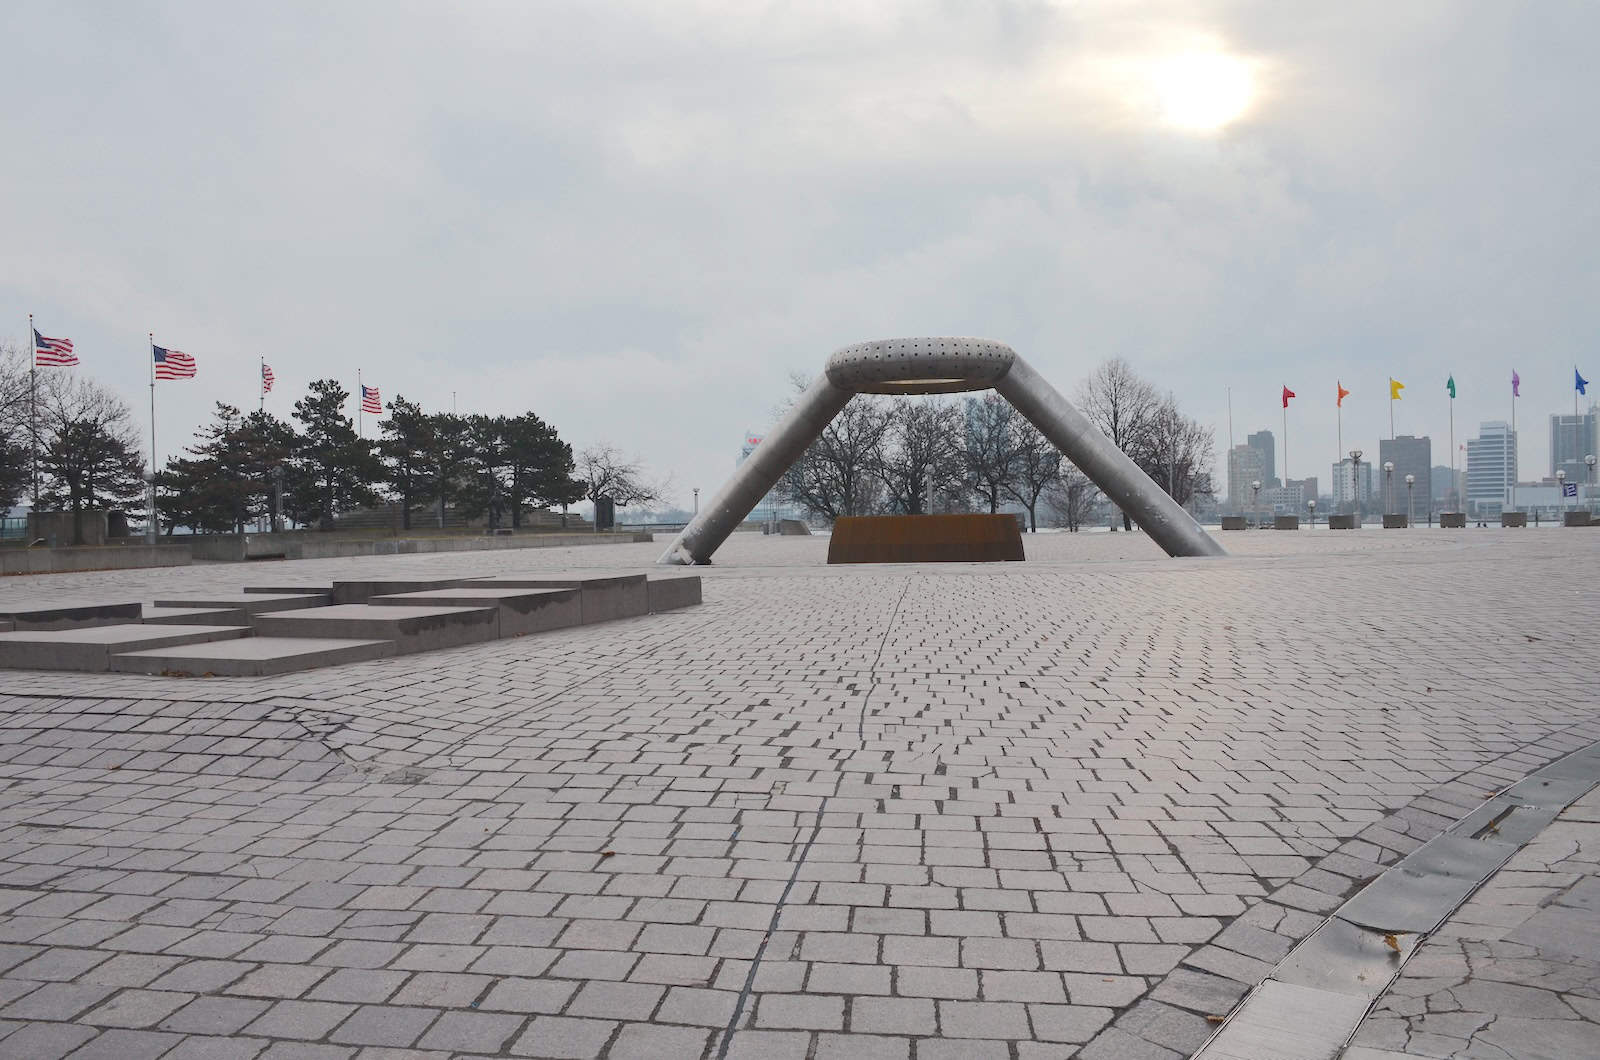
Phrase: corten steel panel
pixel 926 539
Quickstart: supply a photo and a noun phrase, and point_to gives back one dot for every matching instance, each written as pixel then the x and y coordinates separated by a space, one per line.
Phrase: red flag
pixel 1287 394
pixel 1343 393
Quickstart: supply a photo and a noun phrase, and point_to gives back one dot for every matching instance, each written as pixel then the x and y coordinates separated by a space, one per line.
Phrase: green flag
pixel 1451 386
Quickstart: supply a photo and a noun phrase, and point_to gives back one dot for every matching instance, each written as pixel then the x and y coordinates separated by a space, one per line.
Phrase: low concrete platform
pixel 194 616
pixel 91 648
pixel 412 629
pixel 291 590
pixel 251 603
pixel 669 594
pixel 359 592
pixel 522 611
pixel 604 597
pixel 72 617
pixel 252 656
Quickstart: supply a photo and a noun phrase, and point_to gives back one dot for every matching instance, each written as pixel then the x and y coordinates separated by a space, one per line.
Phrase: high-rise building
pixel 772 506
pixel 1245 465
pixel 1351 482
pixel 1264 443
pixel 1491 467
pixel 1411 456
pixel 1571 439
pixel 1446 492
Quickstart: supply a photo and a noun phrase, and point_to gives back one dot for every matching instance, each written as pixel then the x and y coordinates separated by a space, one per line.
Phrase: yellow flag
pixel 1395 386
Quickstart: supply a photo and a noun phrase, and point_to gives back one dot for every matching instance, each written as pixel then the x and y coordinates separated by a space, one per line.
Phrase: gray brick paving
pixel 1072 807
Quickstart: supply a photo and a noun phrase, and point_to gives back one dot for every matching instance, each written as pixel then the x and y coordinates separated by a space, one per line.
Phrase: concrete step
pixel 359 592
pixel 252 603
pixel 521 610
pixel 194 616
pixel 670 593
pixel 412 628
pixel 603 597
pixel 79 617
pixel 252 656
pixel 91 649
pixel 291 590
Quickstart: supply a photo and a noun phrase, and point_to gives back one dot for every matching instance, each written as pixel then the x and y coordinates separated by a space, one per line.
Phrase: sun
pixel 1203 91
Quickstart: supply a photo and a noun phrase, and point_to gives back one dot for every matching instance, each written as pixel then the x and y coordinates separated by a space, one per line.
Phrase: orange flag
pixel 1343 393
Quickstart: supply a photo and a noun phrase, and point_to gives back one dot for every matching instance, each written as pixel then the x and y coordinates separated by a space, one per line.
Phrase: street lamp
pixel 1255 509
pixel 697 500
pixel 1411 510
pixel 1355 481
pixel 1561 486
pixel 1590 461
pixel 1312 504
pixel 1388 487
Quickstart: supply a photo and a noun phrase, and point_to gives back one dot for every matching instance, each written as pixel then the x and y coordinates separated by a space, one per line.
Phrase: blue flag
pixel 1569 489
pixel 1580 382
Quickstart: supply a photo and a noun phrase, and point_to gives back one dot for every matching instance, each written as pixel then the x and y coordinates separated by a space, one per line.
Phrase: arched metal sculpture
pixel 939 366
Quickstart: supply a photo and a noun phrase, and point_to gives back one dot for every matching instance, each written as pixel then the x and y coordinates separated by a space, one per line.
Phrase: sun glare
pixel 1203 91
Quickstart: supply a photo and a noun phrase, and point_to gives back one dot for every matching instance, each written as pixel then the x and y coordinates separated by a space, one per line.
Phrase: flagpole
pixel 1454 481
pixel 1338 411
pixel 1513 445
pixel 1230 414
pixel 261 383
pixel 33 420
pixel 1391 408
pixel 150 355
pixel 1286 441
pixel 361 401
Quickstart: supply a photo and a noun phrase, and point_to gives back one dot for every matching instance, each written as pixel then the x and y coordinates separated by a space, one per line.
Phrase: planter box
pixel 1344 522
pixel 1286 522
pixel 1233 522
pixel 1450 520
pixel 1513 518
pixel 925 539
pixel 1394 522
pixel 1575 519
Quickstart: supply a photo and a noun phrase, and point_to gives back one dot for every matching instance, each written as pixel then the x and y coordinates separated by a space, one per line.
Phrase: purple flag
pixel 1516 381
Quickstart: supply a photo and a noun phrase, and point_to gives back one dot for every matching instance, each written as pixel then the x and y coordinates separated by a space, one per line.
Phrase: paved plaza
pixel 1072 807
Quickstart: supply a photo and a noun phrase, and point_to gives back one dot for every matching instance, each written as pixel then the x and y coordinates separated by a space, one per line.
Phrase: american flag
pixel 370 401
pixel 173 364
pixel 52 352
pixel 266 378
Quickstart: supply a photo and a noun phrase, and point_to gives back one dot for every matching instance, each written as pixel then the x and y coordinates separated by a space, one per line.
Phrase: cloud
pixel 639 219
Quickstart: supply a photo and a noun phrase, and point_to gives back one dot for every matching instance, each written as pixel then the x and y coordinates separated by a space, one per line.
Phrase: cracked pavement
pixel 1072 807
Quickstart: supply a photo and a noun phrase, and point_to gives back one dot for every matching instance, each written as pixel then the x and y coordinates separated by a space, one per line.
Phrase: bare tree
pixel 1179 454
pixel 605 473
pixel 835 476
pixel 990 453
pixel 1125 409
pixel 89 447
pixel 1037 466
pixel 16 439
pixel 1072 498
pixel 921 461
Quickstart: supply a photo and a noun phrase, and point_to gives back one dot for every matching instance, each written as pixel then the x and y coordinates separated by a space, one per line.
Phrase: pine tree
pixel 331 469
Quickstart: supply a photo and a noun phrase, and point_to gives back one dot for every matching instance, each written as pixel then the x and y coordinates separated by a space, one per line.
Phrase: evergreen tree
pixel 451 458
pixel 331 469
pixel 409 458
pixel 539 466
pixel 486 490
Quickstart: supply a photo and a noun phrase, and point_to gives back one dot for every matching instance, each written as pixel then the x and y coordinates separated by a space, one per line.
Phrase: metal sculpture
pixel 939 366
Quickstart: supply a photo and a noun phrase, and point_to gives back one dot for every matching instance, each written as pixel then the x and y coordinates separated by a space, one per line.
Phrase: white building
pixel 1491 468
pixel 1349 480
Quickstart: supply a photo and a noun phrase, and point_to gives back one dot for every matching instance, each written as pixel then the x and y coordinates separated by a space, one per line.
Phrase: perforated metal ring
pixel 922 365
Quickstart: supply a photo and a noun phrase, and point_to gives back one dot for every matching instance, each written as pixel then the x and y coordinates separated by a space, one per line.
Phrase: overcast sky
pixel 639 220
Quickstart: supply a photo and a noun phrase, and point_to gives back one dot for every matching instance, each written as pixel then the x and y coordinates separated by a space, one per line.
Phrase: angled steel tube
pixel 1118 477
pixel 751 480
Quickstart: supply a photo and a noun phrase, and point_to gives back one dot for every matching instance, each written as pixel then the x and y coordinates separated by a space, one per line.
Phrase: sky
pixel 639 220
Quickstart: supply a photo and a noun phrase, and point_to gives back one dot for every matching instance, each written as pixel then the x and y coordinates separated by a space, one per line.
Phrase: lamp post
pixel 1590 461
pixel 1355 482
pixel 697 500
pixel 1312 504
pixel 1411 508
pixel 1388 487
pixel 1255 509
pixel 1561 486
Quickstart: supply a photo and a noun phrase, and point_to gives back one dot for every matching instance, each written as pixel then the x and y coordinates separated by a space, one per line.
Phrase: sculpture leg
pixel 761 471
pixel 1109 467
